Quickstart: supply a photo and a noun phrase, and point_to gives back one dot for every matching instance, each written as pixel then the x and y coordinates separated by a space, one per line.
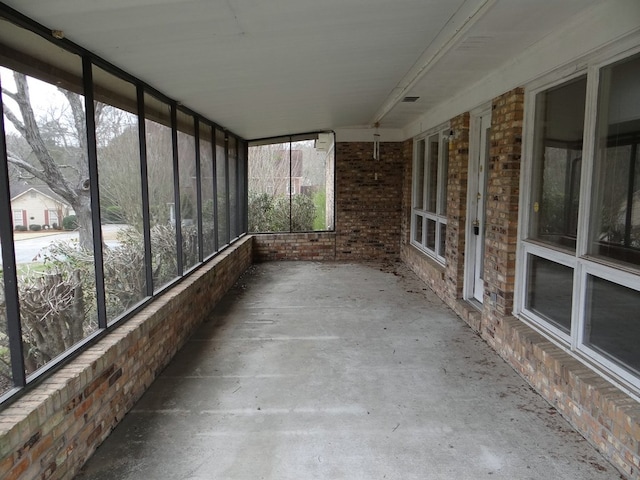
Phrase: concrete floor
pixel 334 371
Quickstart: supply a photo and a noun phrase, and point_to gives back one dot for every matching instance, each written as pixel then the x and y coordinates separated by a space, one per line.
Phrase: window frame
pixel 85 83
pixel 584 264
pixel 439 213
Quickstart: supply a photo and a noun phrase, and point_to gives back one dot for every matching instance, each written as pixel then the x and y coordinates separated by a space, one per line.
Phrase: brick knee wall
pixel 319 246
pixel 52 430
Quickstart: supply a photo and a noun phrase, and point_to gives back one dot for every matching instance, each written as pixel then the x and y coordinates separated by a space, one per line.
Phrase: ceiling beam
pixel 469 13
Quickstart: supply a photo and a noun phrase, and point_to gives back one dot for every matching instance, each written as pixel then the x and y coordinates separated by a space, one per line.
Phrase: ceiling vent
pixel 409 99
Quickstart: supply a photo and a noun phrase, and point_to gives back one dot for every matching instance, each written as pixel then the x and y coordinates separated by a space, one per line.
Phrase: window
pixel 429 206
pixel 188 189
pixel 53 217
pixel 156 170
pixel 18 218
pixel 291 184
pixel 580 251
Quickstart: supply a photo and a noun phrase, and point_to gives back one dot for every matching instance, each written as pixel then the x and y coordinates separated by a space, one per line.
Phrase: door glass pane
pixel 46 134
pixel 559 125
pixel 611 324
pixel 119 176
pixel 432 173
pixel 160 173
pixel 615 225
pixel 188 189
pixel 550 291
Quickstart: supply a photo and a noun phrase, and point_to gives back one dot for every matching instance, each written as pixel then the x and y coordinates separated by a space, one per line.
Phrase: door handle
pixel 476 227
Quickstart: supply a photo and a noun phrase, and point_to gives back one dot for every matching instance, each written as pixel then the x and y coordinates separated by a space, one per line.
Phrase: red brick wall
pixel 446 280
pixel 294 246
pixel 53 429
pixel 368 205
pixel 603 413
pixel 503 189
pixel 368 201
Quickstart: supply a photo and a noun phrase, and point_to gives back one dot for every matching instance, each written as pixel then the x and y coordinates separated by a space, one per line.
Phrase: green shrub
pixel 35 227
pixel 269 213
pixel 20 228
pixel 70 222
pixel 113 214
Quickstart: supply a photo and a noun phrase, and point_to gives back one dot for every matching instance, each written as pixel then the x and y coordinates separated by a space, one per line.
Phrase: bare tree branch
pixel 14 120
pixel 26 166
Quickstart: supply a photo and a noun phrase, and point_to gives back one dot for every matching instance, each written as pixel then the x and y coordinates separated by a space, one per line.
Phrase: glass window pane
pixel 269 187
pixel 49 182
pixel 207 191
pixel 233 187
pixel 615 225
pixel 432 173
pixel 418 175
pixel 431 235
pixel 221 191
pixel 188 189
pixel 443 239
pixel 119 177
pixel 550 291
pixel 442 202
pixel 611 324
pixel 308 185
pixel 6 376
pixel 159 146
pixel 559 125
pixel 417 232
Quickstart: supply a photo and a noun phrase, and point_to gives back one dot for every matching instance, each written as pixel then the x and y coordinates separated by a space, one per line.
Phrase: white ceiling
pixel 273 67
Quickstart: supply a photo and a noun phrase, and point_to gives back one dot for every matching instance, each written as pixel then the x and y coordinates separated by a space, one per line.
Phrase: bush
pixel 20 228
pixel 268 213
pixel 55 226
pixel 70 222
pixel 113 214
pixel 35 227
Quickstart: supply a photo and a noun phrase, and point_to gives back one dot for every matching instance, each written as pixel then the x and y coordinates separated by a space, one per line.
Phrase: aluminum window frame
pixel 21 382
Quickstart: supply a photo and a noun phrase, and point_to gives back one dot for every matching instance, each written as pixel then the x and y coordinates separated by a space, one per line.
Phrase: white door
pixel 477 206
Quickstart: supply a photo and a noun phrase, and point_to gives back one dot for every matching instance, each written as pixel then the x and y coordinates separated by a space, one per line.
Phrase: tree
pixel 58 142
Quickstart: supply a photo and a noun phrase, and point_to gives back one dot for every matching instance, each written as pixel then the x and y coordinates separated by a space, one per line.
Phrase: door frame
pixel 475 150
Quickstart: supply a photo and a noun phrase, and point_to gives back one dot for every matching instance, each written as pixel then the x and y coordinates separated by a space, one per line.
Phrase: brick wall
pixel 448 280
pixel 503 189
pixel 53 429
pixel 319 246
pixel 602 412
pixel 368 210
pixel 368 201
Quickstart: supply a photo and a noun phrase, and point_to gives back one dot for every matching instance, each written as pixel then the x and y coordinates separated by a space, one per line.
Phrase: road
pixel 30 249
